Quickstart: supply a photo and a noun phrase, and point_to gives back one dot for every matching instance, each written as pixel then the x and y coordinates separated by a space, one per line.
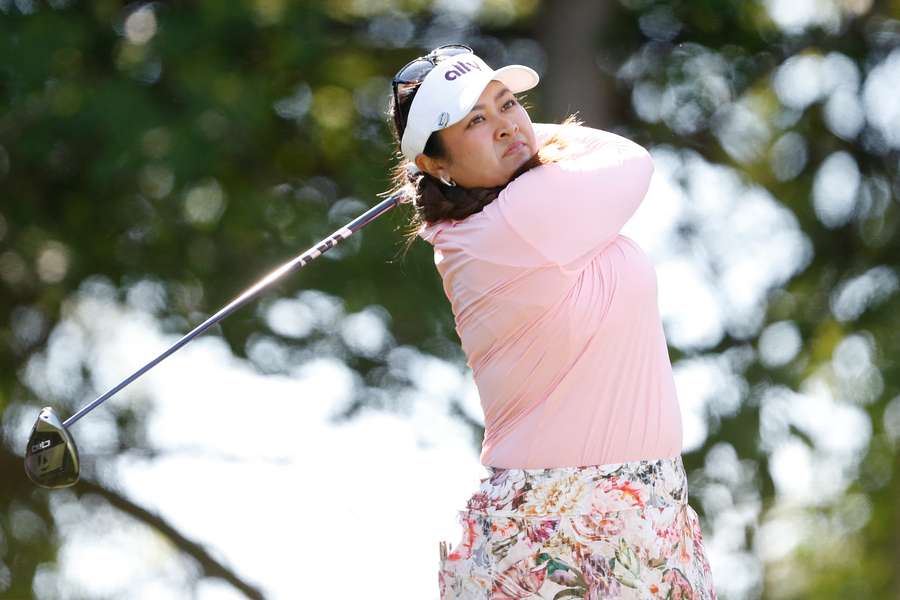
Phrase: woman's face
pixel 487 146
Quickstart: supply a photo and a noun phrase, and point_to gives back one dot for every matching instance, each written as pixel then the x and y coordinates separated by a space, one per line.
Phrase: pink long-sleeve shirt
pixel 557 312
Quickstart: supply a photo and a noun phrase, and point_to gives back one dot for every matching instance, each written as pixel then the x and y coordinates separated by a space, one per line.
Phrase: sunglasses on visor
pixel 415 70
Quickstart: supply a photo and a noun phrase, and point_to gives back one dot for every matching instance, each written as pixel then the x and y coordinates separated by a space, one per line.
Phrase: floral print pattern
pixel 621 530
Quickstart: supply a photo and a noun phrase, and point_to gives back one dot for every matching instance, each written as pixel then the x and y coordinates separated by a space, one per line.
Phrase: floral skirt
pixel 620 530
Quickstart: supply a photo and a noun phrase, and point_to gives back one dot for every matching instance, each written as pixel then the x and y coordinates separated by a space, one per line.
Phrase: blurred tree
pixel 192 146
pixel 580 76
pixel 791 103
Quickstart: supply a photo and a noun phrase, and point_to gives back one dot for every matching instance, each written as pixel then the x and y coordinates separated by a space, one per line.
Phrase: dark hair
pixel 432 200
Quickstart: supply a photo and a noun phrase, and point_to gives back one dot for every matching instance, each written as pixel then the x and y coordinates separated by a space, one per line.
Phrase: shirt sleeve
pixel 579 204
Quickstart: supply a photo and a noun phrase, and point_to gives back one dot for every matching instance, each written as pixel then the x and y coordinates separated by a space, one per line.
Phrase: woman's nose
pixel 507 127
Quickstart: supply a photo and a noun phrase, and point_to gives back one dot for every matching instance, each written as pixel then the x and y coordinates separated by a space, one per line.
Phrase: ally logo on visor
pixel 460 68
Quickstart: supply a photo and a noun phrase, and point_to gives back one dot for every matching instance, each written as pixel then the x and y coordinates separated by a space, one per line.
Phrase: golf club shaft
pixel 289 267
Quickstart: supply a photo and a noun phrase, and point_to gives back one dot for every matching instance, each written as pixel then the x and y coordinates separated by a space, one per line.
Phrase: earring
pixel 447 182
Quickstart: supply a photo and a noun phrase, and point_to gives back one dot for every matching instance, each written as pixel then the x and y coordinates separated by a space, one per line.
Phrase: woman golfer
pixel 586 495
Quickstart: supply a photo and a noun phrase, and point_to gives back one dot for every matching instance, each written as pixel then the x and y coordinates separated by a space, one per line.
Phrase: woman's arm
pixel 580 203
pixel 579 140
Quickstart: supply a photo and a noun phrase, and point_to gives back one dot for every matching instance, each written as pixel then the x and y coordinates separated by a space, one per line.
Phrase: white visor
pixel 449 92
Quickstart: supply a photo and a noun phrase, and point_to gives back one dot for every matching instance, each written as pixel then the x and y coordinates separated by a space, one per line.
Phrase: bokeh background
pixel 156 158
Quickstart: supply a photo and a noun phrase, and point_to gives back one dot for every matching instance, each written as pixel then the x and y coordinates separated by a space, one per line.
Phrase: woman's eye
pixel 509 104
pixel 474 120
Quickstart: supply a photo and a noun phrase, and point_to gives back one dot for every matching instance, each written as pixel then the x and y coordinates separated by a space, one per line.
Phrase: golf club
pixel 51 456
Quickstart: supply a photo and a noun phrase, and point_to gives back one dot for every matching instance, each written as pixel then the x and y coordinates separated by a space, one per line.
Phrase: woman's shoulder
pixel 450 230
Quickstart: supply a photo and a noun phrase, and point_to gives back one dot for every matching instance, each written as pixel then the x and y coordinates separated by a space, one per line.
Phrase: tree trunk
pixel 573 81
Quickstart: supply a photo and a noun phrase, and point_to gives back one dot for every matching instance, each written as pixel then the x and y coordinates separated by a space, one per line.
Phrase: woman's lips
pixel 514 147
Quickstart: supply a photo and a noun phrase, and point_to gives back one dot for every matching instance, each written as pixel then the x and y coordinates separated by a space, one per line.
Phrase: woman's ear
pixel 429 165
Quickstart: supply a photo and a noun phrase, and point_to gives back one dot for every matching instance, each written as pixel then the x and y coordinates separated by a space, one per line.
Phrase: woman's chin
pixel 521 165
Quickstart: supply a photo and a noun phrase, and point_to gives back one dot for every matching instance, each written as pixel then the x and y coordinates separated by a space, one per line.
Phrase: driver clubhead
pixel 51 458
